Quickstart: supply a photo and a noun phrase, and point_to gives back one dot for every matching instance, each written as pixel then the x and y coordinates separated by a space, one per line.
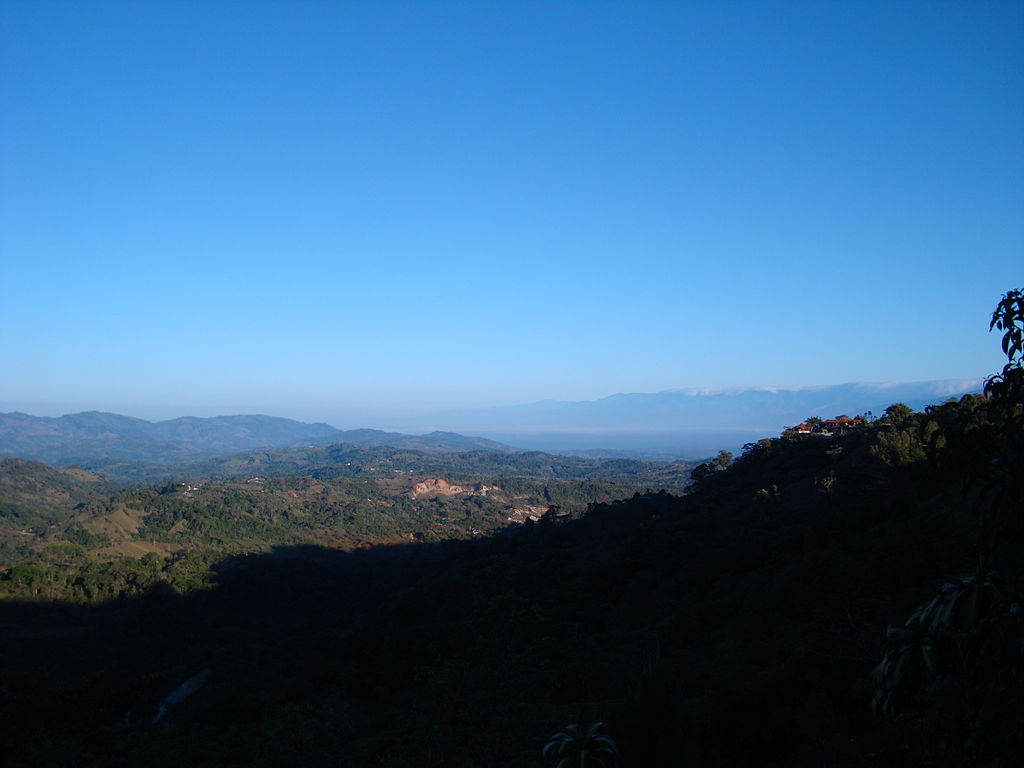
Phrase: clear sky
pixel 341 210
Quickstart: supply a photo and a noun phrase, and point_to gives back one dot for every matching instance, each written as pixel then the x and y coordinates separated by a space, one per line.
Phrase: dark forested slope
pixel 736 626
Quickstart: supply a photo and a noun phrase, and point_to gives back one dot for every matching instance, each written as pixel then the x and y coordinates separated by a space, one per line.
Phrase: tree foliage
pixel 955 669
pixel 1008 385
pixel 578 746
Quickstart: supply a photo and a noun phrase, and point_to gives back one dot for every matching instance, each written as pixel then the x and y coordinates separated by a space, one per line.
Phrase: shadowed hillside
pixel 736 626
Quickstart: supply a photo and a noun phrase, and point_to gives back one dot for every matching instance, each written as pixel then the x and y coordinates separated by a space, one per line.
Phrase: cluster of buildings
pixel 828 427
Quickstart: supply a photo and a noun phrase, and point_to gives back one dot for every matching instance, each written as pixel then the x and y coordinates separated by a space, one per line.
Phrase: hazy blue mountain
pixel 226 433
pixel 672 424
pixel 91 437
pixel 434 442
pixel 753 408
pixel 689 423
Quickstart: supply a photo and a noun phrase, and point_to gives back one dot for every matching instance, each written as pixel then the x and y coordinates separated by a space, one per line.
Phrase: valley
pixel 58 524
pixel 350 616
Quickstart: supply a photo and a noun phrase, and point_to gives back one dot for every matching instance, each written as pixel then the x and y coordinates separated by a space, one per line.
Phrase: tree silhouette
pixel 955 669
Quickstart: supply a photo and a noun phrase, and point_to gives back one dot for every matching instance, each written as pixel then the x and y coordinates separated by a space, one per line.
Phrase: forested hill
pixel 69 523
pixel 432 442
pixel 736 626
pixel 348 460
pixel 34 495
pixel 82 438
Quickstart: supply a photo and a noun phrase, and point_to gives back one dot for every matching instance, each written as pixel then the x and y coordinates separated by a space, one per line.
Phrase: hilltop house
pixel 841 425
pixel 828 427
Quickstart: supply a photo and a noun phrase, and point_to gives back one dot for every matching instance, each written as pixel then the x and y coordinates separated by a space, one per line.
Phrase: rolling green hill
pixel 346 460
pixel 34 498
pixel 66 523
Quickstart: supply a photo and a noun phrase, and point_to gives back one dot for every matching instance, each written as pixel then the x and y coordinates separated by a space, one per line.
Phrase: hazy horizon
pixel 392 419
pixel 668 424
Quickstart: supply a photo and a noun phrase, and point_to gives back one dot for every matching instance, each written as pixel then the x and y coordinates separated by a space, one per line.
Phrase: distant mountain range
pixel 767 409
pixel 687 424
pixel 663 425
pixel 91 436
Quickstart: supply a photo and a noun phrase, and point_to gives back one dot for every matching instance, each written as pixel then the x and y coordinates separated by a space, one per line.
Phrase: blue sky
pixel 347 211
